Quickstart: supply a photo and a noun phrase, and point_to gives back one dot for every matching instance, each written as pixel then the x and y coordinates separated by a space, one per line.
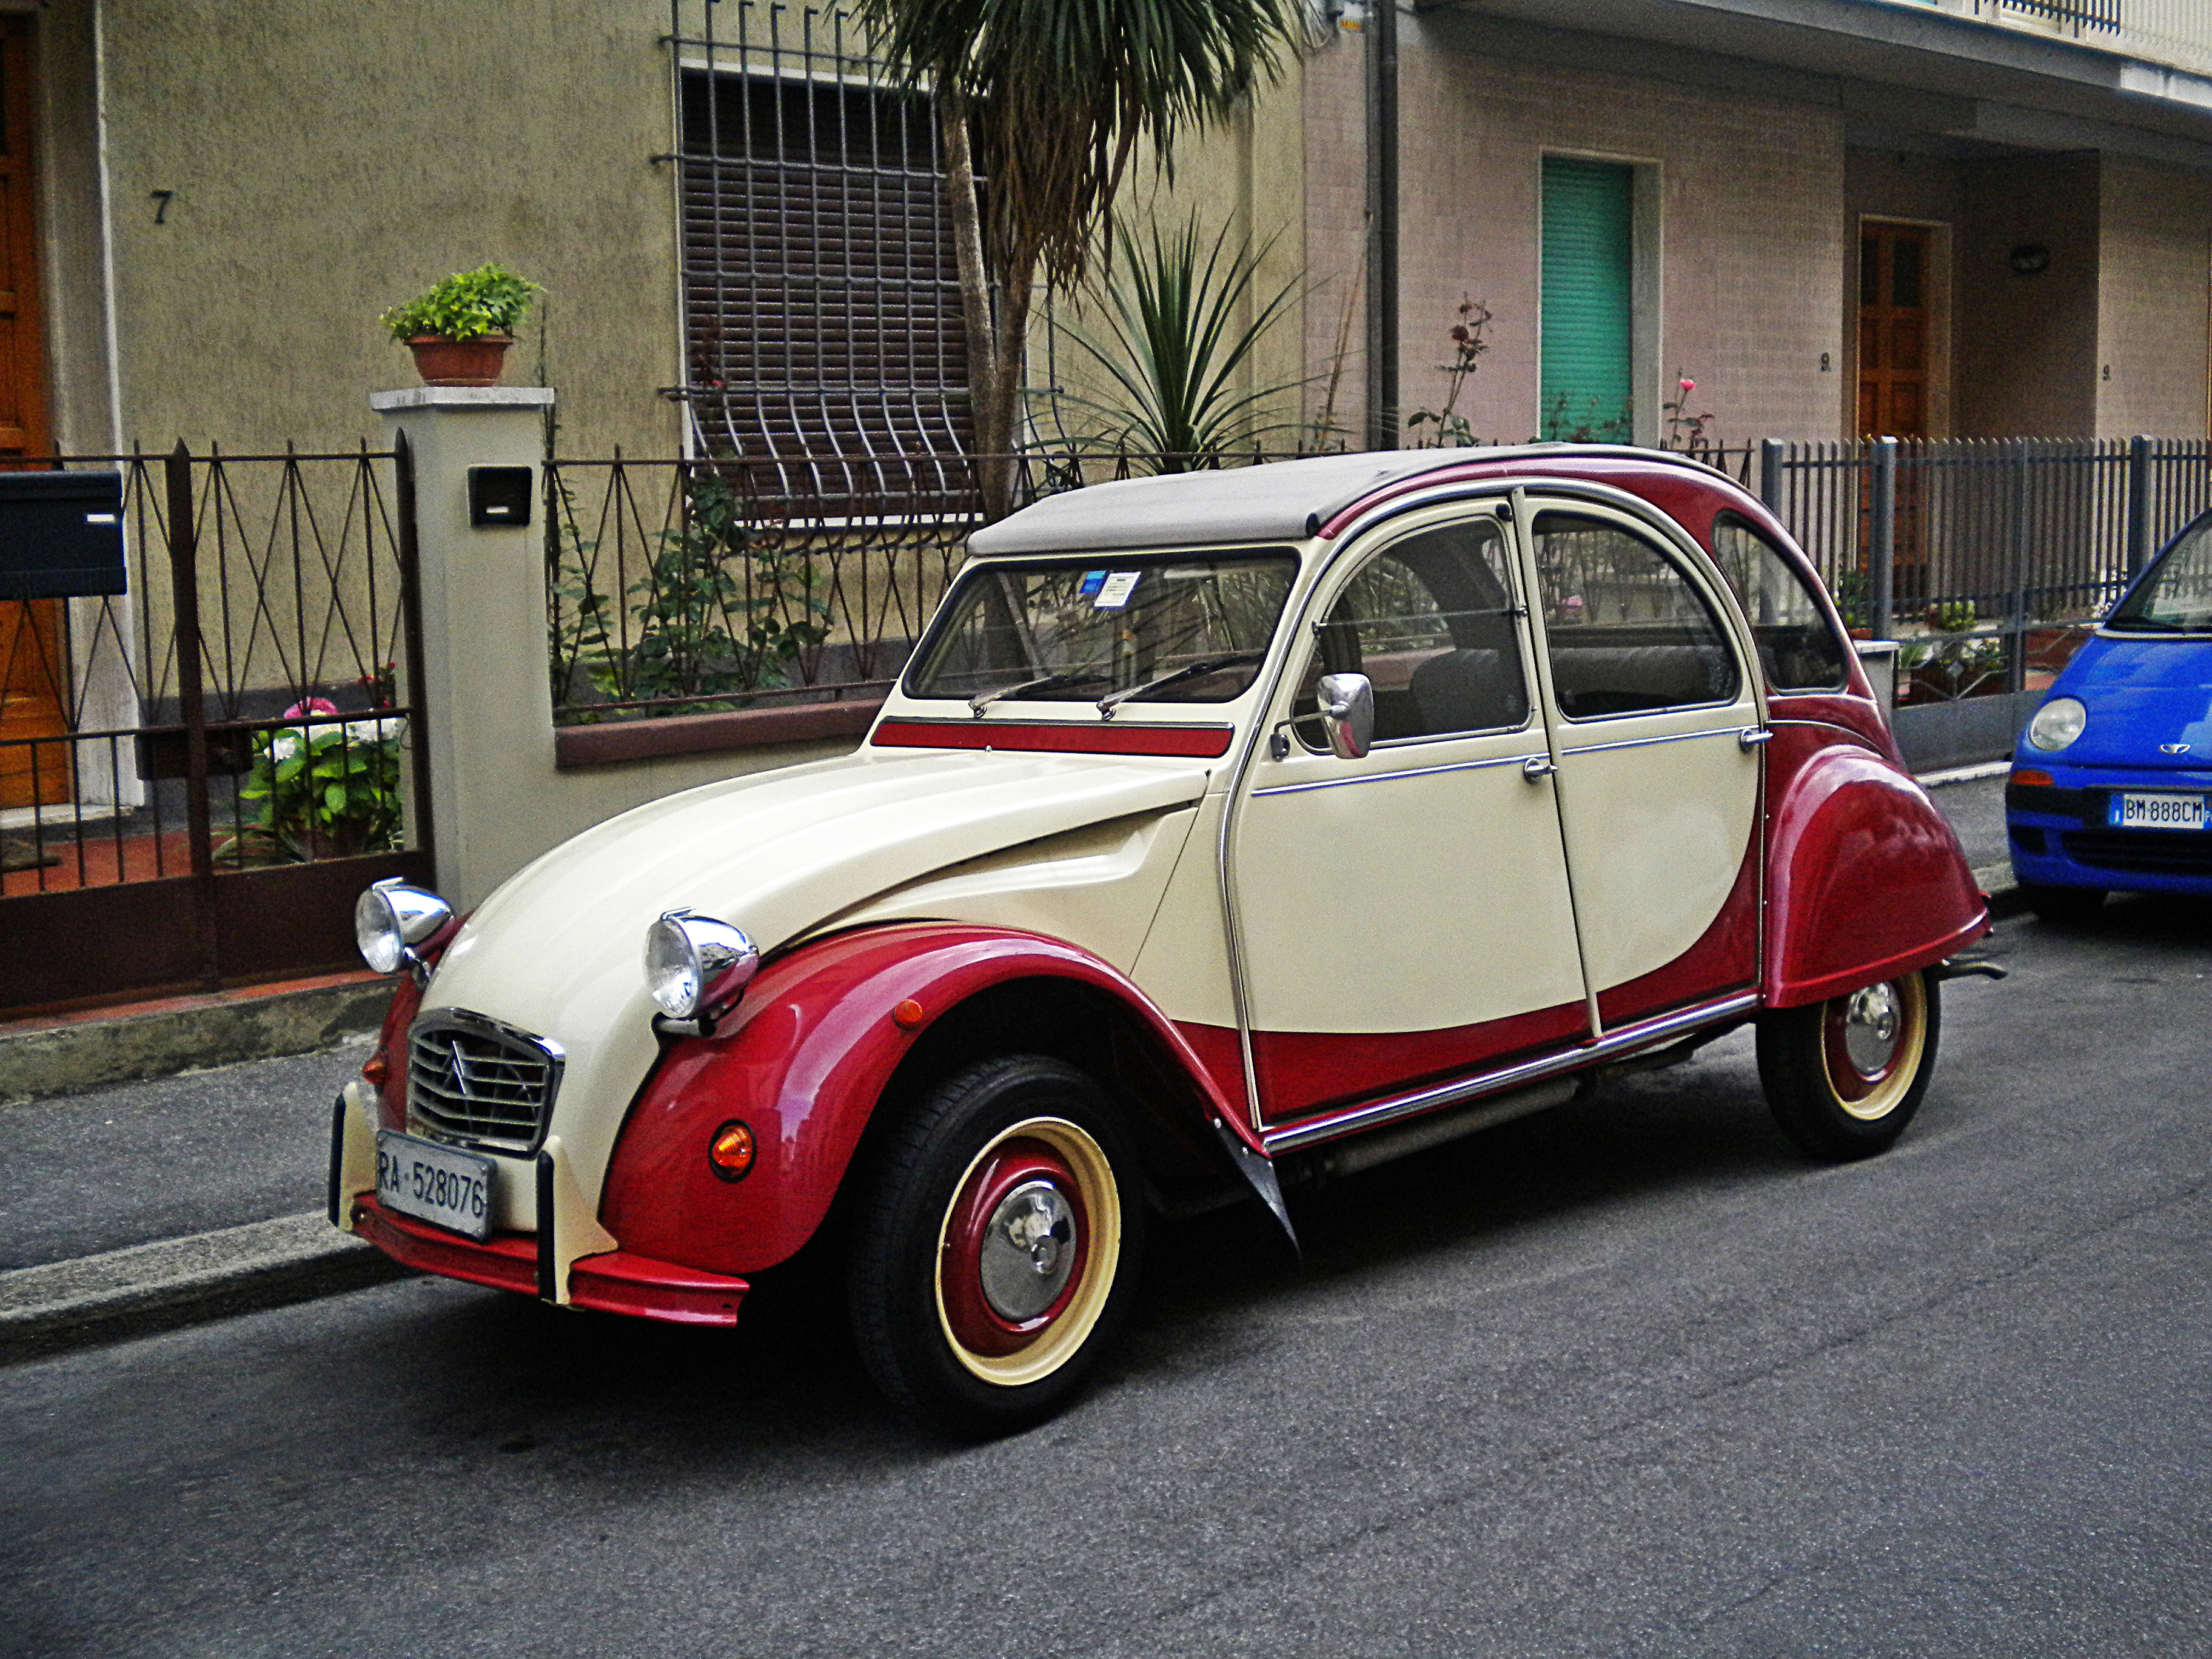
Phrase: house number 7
pixel 162 200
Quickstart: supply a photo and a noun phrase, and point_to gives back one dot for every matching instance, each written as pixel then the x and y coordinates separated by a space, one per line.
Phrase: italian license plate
pixel 434 1183
pixel 2139 810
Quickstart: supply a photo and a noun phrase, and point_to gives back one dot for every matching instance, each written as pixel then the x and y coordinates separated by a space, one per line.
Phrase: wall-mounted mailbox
pixel 499 497
pixel 61 535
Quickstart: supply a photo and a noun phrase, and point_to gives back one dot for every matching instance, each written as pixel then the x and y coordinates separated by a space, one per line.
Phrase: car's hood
pixel 2141 695
pixel 558 950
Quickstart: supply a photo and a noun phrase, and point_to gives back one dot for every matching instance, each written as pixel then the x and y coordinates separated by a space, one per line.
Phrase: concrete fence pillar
pixel 487 719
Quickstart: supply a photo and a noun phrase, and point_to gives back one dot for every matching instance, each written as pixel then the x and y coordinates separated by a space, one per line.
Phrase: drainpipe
pixel 1382 226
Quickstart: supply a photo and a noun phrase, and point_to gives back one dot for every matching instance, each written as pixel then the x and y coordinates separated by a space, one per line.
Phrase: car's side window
pixel 1429 621
pixel 1798 648
pixel 1626 630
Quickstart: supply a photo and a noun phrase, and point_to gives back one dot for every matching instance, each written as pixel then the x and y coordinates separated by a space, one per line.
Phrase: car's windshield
pixel 1165 628
pixel 2176 597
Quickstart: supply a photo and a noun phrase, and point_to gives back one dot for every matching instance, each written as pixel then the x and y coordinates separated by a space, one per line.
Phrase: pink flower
pixel 1687 386
pixel 309 707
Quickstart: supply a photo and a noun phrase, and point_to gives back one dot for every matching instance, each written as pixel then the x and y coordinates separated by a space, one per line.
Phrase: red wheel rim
pixel 1004 1171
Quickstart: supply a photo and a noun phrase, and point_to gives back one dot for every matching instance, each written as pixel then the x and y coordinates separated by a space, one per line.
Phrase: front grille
pixel 2147 852
pixel 474 1080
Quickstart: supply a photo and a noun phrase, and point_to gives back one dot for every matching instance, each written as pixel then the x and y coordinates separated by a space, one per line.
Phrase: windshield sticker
pixel 1114 593
pixel 1092 582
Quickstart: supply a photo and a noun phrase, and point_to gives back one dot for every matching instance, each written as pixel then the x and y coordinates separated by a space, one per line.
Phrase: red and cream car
pixel 1226 830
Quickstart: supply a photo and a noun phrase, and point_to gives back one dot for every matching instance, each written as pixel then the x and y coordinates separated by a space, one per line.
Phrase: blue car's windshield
pixel 2176 597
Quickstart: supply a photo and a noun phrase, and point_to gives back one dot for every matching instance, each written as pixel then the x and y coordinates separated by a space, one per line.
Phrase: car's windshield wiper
pixel 1114 700
pixel 983 699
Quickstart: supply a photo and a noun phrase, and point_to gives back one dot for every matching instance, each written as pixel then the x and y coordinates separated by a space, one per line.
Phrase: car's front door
pixel 1406 915
pixel 1655 723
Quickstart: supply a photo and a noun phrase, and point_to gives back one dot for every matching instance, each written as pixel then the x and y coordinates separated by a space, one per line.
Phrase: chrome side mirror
pixel 1347 714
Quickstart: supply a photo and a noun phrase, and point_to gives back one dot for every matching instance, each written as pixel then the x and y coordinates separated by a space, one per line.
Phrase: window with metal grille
pixel 822 297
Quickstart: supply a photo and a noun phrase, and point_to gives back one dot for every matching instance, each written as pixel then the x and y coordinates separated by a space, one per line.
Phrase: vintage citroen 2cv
pixel 1225 830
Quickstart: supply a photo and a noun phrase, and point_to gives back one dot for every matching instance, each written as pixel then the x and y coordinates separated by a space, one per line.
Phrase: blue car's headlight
pixel 2058 723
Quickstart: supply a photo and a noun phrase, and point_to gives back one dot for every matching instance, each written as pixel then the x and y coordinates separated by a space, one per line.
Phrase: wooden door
pixel 1895 284
pixel 33 665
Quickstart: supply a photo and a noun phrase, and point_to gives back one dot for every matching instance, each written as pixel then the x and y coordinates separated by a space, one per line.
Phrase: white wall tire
pixel 1000 1227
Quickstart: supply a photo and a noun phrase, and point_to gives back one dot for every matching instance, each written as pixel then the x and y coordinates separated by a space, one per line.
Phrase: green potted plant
pixel 460 330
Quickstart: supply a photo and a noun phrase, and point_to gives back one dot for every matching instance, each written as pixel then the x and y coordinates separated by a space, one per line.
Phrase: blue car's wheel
pixel 1844 1077
pixel 2062 904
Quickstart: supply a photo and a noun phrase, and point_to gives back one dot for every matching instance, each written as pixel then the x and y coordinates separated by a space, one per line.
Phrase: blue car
pixel 2111 778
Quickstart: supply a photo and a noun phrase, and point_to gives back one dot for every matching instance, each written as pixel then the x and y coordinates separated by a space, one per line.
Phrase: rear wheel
pixel 1003 1224
pixel 2062 904
pixel 1845 1077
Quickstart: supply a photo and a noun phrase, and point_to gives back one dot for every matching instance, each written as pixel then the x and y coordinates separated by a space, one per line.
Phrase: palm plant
pixel 1046 100
pixel 1172 301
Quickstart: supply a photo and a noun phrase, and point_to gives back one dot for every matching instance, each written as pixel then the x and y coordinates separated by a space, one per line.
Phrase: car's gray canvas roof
pixel 1279 501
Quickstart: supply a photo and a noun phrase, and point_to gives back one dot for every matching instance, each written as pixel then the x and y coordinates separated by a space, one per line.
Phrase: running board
pixel 1373 1114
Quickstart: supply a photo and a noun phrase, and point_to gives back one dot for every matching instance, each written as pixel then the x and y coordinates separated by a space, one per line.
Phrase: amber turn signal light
pixel 730 1153
pixel 2028 776
pixel 376 1068
pixel 907 1015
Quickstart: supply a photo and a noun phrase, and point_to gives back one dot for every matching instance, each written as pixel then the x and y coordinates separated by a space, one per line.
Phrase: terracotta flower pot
pixel 441 361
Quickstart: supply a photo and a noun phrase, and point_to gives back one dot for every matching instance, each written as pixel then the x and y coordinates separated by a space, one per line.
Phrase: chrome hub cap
pixel 1028 1251
pixel 1871 1024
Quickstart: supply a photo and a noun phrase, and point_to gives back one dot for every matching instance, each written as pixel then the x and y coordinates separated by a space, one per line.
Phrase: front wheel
pixel 1003 1224
pixel 1844 1077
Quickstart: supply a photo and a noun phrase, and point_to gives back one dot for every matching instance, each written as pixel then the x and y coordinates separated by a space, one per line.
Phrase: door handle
pixel 1537 768
pixel 1752 737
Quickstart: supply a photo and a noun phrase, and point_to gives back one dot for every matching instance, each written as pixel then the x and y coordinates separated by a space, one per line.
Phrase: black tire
pixel 1842 1080
pixel 1000 1227
pixel 2062 904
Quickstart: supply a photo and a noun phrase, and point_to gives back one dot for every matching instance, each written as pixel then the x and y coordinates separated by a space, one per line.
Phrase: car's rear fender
pixel 1865 877
pixel 838 1029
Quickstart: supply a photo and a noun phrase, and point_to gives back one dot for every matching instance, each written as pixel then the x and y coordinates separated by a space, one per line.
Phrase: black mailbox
pixel 61 534
pixel 499 497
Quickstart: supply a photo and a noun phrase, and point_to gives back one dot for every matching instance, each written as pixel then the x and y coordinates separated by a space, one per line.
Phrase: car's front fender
pixel 803 1062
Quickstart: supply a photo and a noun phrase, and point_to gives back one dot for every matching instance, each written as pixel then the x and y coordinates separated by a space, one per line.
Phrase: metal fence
pixel 196 776
pixel 685 586
pixel 1988 560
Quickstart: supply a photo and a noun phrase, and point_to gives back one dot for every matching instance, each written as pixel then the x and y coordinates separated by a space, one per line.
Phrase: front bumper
pixel 2058 836
pixel 569 1260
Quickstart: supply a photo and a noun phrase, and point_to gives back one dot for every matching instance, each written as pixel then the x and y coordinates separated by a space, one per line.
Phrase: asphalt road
pixel 1628 1378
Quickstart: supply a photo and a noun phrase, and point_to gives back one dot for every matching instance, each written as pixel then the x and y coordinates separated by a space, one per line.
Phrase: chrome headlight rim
pixel 2058 725
pixel 696 965
pixel 392 917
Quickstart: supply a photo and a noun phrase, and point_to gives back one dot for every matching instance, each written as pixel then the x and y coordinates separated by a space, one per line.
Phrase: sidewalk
pixel 90 1250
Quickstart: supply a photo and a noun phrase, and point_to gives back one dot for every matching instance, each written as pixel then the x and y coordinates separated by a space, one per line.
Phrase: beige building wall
pixel 324 168
pixel 2026 353
pixel 1749 243
pixel 2155 239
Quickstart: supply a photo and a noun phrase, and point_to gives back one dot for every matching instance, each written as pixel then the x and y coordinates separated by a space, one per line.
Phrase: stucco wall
pixel 2027 345
pixel 2155 258
pixel 325 167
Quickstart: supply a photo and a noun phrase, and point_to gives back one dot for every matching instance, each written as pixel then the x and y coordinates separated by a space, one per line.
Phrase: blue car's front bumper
pixel 2060 836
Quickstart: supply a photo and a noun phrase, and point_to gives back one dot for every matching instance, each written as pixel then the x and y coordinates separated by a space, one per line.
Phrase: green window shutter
pixel 1588 243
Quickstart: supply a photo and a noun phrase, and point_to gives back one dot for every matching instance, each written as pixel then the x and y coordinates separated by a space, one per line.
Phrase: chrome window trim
pixel 1406 772
pixel 1645 743
pixel 1374 1114
pixel 483 1027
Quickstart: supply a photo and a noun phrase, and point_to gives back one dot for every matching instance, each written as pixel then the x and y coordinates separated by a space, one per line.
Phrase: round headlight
pixel 696 964
pixel 2058 723
pixel 390 916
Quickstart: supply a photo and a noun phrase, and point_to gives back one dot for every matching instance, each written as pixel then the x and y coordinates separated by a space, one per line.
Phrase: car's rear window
pixel 1163 628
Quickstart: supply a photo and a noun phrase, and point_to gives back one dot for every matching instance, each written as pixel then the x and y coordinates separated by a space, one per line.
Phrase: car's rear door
pixel 1653 714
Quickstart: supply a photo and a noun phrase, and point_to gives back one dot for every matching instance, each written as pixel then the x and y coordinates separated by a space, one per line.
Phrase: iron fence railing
pixel 244 704
pixel 683 586
pixel 1988 560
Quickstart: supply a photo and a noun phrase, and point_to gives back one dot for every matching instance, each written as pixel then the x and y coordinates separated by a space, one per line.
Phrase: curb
pixel 99 1299
pixel 70 1056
